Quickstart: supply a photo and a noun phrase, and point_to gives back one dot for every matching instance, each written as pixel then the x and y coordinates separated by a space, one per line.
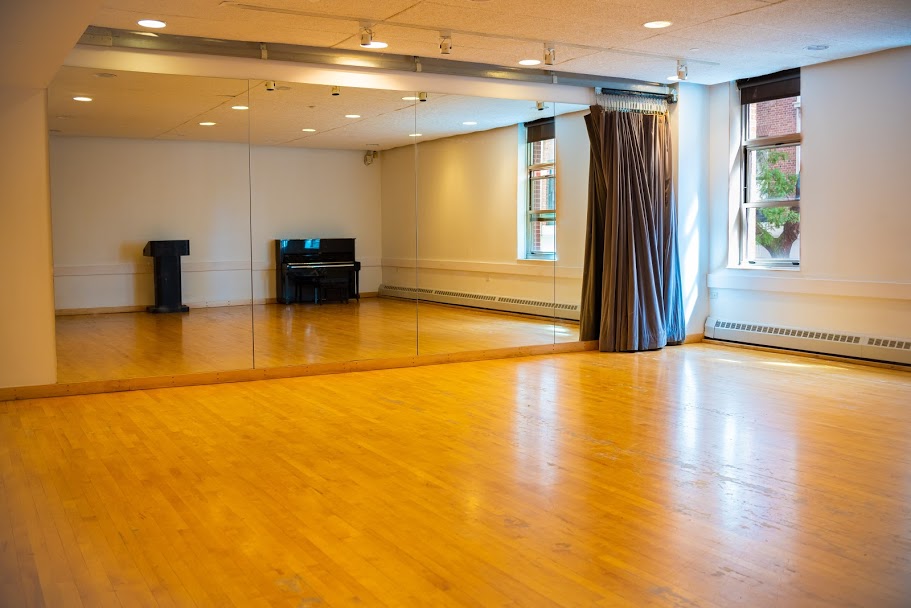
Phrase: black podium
pixel 167 274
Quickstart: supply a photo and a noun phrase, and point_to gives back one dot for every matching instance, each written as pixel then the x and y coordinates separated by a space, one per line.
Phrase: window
pixel 541 199
pixel 770 203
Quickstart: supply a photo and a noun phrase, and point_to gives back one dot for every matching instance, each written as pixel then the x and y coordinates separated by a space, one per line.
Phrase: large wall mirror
pixel 134 158
pixel 325 224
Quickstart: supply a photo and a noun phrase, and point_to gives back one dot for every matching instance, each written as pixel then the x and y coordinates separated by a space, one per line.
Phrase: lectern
pixel 166 274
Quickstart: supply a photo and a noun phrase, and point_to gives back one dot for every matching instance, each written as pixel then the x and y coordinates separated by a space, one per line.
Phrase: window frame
pixel 531 214
pixel 786 140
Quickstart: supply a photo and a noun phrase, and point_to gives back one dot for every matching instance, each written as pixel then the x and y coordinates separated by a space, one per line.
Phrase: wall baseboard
pixel 808 355
pixel 293 371
pixel 106 310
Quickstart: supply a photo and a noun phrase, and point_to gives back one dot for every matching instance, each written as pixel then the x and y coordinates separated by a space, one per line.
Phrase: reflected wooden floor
pixel 693 476
pixel 130 345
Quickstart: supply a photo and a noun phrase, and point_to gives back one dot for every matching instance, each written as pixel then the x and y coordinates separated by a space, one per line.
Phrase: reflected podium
pixel 166 273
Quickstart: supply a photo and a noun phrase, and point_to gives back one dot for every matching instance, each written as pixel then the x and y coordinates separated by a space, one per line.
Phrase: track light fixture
pixel 367 40
pixel 682 70
pixel 336 91
pixel 540 106
pixel 445 43
pixel 550 54
pixel 422 96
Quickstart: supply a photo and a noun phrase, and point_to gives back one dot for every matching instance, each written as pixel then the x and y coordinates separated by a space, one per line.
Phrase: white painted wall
pixel 299 193
pixel 467 203
pixel 27 347
pixel 690 148
pixel 111 196
pixel 855 272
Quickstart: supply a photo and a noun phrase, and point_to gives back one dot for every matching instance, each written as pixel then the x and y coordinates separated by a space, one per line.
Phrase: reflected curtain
pixel 631 293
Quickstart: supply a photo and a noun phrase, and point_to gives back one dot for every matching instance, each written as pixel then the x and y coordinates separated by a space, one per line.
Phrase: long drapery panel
pixel 631 293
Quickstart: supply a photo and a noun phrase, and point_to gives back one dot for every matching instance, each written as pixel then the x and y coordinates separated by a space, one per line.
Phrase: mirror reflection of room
pixel 355 224
pixel 139 160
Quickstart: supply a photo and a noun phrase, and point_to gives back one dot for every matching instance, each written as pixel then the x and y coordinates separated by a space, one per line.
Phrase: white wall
pixel 690 148
pixel 27 347
pixel 299 193
pixel 467 208
pixel 855 272
pixel 111 196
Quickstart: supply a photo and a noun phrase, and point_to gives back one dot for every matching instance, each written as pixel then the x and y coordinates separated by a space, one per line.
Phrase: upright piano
pixel 316 270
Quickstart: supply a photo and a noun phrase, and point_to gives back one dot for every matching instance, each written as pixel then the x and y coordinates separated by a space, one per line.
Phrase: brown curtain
pixel 631 298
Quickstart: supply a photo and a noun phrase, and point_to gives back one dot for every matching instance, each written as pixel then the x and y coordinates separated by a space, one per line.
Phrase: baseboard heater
pixel 854 345
pixel 477 300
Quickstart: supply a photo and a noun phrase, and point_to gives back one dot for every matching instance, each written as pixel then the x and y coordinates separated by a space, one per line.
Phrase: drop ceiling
pixel 171 107
pixel 720 39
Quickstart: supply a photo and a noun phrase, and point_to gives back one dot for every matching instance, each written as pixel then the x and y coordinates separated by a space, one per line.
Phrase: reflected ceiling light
pixel 335 91
pixel 470 123
pixel 529 62
pixel 352 115
pixel 82 98
pixel 152 23
pixel 240 107
pixel 550 54
pixel 149 34
pixel 445 43
pixel 368 42
pixel 657 25
pixel 415 135
pixel 309 130
pixel 409 98
pixel 207 124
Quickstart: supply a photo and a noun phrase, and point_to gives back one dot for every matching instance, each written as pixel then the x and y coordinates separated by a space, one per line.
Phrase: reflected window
pixel 541 200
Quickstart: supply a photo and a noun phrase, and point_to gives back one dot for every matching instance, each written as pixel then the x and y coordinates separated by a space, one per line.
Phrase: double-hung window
pixel 541 201
pixel 770 201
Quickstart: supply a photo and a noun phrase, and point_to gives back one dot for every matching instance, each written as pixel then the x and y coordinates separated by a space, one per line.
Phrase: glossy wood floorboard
pixel 693 476
pixel 139 344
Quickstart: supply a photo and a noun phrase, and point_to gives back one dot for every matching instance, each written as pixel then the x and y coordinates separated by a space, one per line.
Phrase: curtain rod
pixel 670 96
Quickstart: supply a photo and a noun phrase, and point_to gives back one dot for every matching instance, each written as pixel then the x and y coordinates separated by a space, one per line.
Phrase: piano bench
pixel 333 290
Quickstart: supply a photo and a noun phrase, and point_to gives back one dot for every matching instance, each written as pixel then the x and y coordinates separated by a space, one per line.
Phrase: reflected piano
pixel 316 270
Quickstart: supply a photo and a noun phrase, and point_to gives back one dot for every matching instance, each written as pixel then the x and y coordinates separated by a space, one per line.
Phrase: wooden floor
pixel 139 344
pixel 693 476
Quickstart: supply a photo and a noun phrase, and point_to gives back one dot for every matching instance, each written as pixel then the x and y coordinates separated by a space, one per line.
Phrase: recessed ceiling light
pixel 656 25
pixel 529 62
pixel 309 130
pixel 409 98
pixel 207 124
pixel 240 107
pixel 817 47
pixel 469 123
pixel 415 135
pixel 155 24
pixel 82 98
pixel 352 115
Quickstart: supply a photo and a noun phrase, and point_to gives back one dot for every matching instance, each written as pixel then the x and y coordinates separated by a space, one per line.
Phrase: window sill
pixel 536 260
pixel 776 267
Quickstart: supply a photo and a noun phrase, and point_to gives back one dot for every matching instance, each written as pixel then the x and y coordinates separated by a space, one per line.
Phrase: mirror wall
pixel 135 158
pixel 431 190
